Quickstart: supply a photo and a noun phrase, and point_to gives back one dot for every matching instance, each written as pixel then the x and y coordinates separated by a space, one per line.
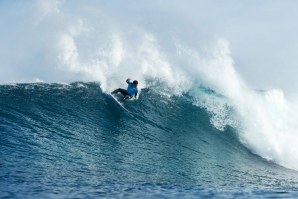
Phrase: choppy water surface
pixel 69 141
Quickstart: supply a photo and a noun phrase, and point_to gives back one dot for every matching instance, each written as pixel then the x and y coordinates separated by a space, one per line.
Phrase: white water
pixel 183 44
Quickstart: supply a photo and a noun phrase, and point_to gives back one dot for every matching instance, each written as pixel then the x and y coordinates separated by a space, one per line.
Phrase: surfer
pixel 131 91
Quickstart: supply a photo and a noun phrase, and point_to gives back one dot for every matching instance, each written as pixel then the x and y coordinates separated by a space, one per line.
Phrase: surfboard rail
pixel 115 101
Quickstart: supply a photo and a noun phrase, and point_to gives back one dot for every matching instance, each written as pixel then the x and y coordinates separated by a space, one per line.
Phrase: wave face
pixel 68 139
pixel 182 45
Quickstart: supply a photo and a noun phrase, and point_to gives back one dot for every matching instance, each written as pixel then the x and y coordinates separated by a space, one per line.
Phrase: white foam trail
pixel 268 120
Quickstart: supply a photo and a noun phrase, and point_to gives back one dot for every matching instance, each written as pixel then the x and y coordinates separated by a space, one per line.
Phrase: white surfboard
pixel 115 101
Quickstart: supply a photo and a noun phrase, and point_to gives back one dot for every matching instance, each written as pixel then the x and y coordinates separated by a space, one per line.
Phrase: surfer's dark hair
pixel 135 82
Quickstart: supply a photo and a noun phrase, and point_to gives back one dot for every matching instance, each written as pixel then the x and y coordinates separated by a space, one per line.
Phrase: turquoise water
pixel 69 141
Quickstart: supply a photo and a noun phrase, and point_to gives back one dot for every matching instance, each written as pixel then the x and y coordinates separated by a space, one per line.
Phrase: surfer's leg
pixel 123 91
pixel 116 91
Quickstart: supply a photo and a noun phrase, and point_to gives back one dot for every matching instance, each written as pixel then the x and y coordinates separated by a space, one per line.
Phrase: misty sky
pixel 262 34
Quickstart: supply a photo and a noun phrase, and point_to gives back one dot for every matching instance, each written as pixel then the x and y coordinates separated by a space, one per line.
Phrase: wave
pixel 58 137
pixel 66 42
pixel 40 111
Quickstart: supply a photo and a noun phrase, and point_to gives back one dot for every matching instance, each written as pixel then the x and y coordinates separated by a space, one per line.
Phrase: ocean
pixel 70 141
pixel 216 115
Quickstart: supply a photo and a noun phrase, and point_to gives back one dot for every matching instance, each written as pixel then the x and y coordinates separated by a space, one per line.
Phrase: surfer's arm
pixel 128 81
pixel 136 94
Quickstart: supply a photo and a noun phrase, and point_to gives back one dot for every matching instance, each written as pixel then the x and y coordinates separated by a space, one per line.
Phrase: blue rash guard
pixel 131 90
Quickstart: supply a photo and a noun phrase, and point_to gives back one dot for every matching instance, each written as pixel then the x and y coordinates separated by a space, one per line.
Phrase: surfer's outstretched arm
pixel 128 81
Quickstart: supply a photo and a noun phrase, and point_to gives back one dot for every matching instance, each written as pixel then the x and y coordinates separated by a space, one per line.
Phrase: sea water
pixel 216 115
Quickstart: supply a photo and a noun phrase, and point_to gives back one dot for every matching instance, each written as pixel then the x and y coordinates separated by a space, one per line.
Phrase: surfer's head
pixel 135 83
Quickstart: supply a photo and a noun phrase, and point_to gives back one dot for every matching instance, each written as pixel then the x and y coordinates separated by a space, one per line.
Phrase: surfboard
pixel 116 102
